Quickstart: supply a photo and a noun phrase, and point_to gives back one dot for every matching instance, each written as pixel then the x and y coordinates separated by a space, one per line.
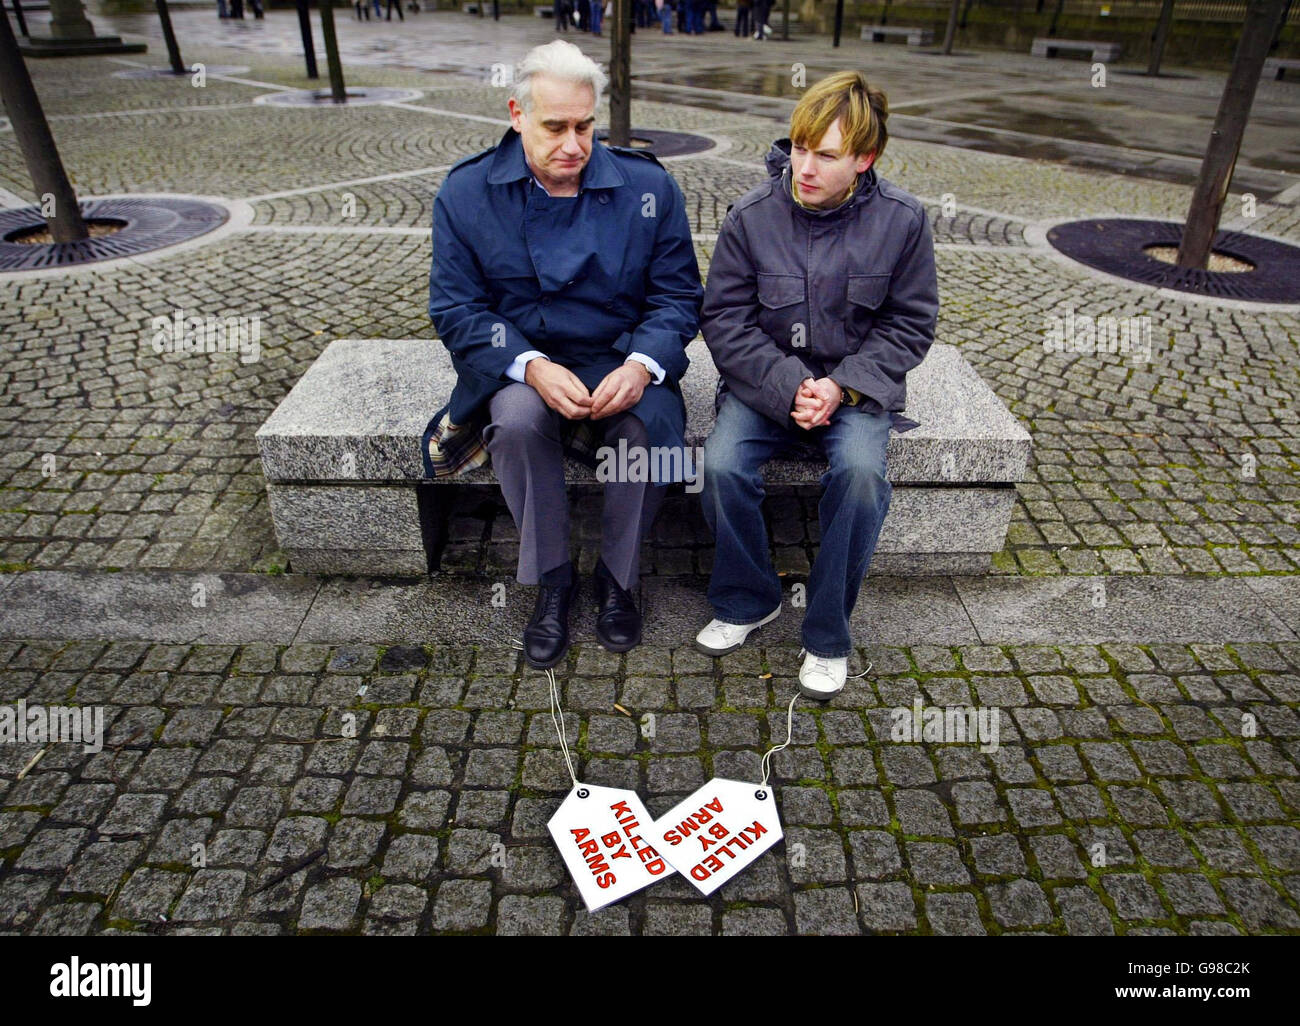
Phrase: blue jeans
pixel 597 10
pixel 744 586
pixel 666 19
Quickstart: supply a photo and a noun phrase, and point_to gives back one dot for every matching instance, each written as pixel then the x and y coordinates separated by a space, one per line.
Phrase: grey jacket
pixel 849 293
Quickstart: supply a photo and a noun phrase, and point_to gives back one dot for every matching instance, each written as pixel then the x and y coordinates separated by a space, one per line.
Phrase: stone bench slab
pixel 1100 51
pixel 359 413
pixel 884 33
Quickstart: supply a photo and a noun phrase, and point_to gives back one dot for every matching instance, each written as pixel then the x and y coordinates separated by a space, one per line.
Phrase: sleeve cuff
pixel 656 372
pixel 515 372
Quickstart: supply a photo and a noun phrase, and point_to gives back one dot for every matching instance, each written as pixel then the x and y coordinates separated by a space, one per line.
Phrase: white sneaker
pixel 718 638
pixel 821 678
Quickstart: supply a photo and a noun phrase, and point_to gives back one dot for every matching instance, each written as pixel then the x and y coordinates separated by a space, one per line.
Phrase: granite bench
pixel 348 494
pixel 1103 52
pixel 911 36
pixel 1276 69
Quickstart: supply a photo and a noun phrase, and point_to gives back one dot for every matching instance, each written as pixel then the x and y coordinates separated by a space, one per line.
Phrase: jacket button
pixel 609 305
pixel 546 301
pixel 604 198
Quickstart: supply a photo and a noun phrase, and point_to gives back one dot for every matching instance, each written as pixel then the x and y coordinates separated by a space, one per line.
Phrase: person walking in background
pixel 597 8
pixel 561 11
pixel 362 6
pixel 665 15
pixel 695 17
pixel 761 10
pixel 742 17
pixel 389 9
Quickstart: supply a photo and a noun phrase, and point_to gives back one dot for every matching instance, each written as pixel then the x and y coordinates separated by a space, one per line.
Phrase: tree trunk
pixel 33 134
pixel 1263 19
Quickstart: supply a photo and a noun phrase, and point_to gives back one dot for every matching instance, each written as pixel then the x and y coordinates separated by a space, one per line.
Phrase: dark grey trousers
pixel 523 438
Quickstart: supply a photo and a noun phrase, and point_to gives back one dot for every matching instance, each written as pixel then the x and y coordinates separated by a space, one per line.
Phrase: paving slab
pixel 1138 608
pixel 171 607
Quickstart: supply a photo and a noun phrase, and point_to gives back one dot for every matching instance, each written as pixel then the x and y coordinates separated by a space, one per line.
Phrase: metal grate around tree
pixel 1117 246
pixel 148 223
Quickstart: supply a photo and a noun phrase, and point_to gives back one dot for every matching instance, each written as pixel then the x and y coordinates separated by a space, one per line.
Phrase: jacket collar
pixel 778 167
pixel 509 165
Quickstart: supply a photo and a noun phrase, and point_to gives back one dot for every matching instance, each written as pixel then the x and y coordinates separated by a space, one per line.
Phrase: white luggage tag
pixel 604 837
pixel 603 833
pixel 723 827
pixel 718 831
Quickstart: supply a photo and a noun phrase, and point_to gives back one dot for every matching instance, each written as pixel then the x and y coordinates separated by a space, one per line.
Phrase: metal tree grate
pixel 1115 245
pixel 663 143
pixel 150 223
pixel 358 96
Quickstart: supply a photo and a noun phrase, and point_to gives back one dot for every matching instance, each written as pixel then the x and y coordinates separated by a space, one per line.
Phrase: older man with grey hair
pixel 565 285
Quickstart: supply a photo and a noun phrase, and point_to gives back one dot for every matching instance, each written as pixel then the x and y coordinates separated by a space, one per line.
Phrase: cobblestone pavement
pixel 1185 462
pixel 1136 788
pixel 264 789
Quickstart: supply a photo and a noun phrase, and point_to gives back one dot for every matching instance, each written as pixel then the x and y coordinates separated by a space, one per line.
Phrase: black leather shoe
pixel 546 638
pixel 618 621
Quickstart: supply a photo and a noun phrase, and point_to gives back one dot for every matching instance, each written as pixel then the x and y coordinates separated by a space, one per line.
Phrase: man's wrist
pixel 629 362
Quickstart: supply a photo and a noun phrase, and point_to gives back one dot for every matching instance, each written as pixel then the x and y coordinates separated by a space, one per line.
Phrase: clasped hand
pixel 564 392
pixel 814 403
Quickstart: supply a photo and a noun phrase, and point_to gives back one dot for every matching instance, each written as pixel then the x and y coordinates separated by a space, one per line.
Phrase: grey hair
pixel 561 60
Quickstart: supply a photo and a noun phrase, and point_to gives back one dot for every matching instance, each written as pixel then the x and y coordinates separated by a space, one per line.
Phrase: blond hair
pixel 844 96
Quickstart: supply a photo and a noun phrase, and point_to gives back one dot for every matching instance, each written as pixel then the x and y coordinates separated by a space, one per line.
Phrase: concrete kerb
pixel 290 608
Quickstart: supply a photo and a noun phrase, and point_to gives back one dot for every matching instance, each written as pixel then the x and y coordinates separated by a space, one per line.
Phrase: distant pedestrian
pixel 742 17
pixel 665 15
pixel 597 12
pixel 695 17
pixel 222 10
pixel 761 28
pixel 389 9
pixel 363 7
pixel 562 13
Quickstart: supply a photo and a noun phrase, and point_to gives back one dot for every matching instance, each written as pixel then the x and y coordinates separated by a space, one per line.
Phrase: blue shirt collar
pixel 509 165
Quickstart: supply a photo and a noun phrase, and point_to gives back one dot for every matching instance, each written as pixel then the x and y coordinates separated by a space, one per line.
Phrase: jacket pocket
pixel 868 290
pixel 779 290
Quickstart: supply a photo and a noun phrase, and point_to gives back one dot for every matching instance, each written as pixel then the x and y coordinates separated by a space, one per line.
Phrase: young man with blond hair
pixel 821 296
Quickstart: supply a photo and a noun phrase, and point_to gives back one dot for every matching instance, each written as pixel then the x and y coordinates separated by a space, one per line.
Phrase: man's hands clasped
pixel 565 393
pixel 815 402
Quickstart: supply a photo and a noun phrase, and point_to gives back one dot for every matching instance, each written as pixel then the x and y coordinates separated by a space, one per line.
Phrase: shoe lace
pixel 823 666
pixel 551 599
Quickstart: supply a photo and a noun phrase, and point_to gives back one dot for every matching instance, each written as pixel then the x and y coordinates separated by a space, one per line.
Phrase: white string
pixel 789 728
pixel 559 724
pixel 789 736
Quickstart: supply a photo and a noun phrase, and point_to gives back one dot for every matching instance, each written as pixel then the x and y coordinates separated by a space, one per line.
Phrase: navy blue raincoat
pixel 586 280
